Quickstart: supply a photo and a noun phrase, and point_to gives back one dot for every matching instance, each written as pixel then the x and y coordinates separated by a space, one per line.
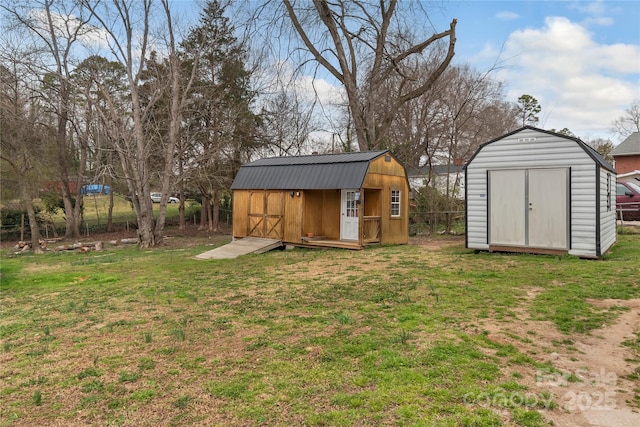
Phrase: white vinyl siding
pixel 608 232
pixel 531 149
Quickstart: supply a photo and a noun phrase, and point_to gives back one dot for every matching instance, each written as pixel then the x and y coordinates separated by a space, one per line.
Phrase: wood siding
pixel 319 211
pixel 386 176
pixel 293 216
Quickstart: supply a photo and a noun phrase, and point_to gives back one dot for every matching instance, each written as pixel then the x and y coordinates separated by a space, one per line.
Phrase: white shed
pixel 540 192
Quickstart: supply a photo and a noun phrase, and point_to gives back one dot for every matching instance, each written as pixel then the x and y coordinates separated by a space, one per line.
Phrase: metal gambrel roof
pixel 315 172
pixel 597 157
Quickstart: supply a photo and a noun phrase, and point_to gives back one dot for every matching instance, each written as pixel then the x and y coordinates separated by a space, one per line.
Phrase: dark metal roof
pixel 315 172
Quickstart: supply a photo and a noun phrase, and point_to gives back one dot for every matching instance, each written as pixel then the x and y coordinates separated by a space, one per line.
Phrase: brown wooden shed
pixel 346 200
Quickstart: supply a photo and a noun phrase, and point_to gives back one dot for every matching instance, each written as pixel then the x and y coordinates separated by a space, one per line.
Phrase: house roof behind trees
pixel 314 172
pixel 436 169
pixel 629 147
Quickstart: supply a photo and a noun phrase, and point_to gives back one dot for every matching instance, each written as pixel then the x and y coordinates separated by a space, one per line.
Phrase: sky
pixel 579 59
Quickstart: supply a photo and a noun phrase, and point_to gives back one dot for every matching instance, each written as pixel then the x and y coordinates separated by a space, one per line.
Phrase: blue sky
pixel 580 59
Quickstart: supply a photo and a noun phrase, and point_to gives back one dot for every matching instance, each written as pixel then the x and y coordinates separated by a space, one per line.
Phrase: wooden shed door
pixel 266 212
pixel 529 207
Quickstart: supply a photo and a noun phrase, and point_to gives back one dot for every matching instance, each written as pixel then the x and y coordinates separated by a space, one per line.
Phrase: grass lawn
pixel 392 335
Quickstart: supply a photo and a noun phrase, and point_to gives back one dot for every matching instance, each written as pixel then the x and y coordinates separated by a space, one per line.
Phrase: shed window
pixel 608 192
pixel 352 205
pixel 395 203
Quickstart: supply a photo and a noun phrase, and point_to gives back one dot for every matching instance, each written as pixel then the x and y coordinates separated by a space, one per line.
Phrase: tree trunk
pixel 215 221
pixel 31 214
pixel 110 211
pixel 183 223
pixel 203 211
pixel 209 217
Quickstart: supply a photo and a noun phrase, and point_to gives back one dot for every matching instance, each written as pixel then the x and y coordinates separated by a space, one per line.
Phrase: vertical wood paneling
pixel 240 213
pixel 318 211
pixel 293 217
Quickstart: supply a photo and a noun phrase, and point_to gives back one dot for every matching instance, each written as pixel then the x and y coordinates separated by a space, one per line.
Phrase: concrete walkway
pixel 239 247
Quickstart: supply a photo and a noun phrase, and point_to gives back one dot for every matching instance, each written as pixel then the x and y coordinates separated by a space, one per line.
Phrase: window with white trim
pixel 395 203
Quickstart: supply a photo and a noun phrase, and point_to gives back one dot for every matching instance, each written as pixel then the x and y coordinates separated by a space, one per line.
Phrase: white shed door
pixel 548 208
pixel 507 221
pixel 349 218
pixel 529 208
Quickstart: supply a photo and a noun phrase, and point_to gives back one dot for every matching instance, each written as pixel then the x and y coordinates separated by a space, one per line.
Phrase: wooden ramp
pixel 245 246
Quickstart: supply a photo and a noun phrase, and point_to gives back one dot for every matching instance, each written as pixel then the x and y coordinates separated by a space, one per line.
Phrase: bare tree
pixel 287 124
pixel 179 92
pixel 603 147
pixel 445 126
pixel 628 123
pixel 57 28
pixel 361 44
pixel 128 26
pixel 21 148
pixel 90 106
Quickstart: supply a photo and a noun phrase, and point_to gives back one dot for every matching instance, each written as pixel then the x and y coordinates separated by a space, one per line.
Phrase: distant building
pixel 626 155
pixel 439 177
pixel 95 189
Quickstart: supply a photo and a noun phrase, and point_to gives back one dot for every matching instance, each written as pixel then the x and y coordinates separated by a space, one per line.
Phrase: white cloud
pixel 601 21
pixel 66 26
pixel 590 8
pixel 328 94
pixel 507 15
pixel 580 84
pixel 597 12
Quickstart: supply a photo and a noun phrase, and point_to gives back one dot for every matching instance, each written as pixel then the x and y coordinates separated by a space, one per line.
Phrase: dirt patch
pixel 590 376
pixel 173 238
pixel 437 241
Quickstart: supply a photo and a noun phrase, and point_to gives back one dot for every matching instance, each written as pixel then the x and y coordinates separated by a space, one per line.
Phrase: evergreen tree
pixel 529 108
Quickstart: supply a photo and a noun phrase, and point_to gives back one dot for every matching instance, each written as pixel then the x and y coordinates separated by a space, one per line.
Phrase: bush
pixel 434 211
pixel 11 217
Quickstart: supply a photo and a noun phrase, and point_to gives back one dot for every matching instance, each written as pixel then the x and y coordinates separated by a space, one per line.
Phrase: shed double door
pixel 266 212
pixel 529 208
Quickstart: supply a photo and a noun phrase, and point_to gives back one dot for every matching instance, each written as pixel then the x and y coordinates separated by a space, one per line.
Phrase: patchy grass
pixel 386 336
